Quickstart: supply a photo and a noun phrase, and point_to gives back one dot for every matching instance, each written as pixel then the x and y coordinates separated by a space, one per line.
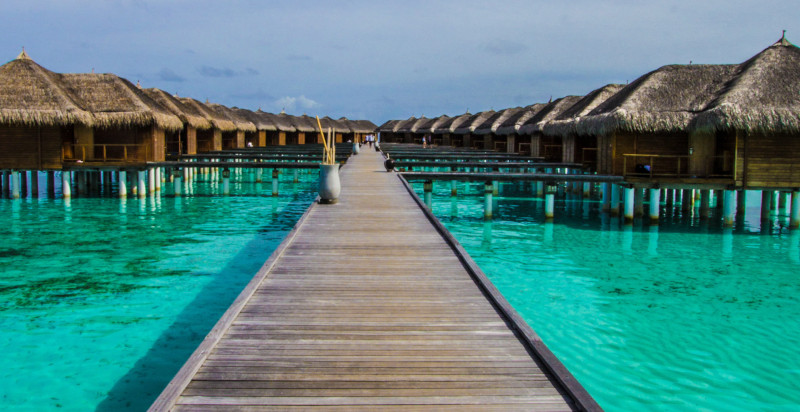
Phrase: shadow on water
pixel 137 389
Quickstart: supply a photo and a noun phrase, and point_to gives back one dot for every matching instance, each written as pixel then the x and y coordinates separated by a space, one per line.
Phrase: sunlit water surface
pixel 102 300
pixel 683 316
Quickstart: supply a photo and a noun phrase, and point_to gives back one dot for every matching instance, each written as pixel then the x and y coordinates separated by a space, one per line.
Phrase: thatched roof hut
pixel 262 123
pixel 282 122
pixel 450 124
pixel 117 103
pixel 564 123
pixel 242 124
pixel 31 95
pixel 404 126
pixel 187 113
pixel 388 126
pixel 303 124
pixel 363 126
pixel 662 101
pixel 763 97
pixel 222 123
pixel 512 124
pixel 547 113
pixel 490 125
pixel 468 126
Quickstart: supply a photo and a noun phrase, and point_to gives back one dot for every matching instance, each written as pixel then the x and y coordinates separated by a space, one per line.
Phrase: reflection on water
pixel 685 315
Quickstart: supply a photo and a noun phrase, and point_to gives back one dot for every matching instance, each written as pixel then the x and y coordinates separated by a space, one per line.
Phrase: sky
pixel 381 60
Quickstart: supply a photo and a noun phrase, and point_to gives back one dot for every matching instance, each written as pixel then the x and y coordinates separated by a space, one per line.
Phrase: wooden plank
pixel 365 305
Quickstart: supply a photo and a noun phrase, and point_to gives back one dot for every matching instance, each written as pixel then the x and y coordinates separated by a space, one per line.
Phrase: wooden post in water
pixel 274 182
pixel 51 183
pixel 427 189
pixel 614 208
pixel 741 203
pixel 728 207
pixel 488 190
pixel 34 183
pixel 687 200
pixel 606 202
pixel 630 195
pixel 766 204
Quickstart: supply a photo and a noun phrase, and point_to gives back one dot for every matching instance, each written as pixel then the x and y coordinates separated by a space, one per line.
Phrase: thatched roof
pixel 241 122
pixel 491 124
pixel 512 124
pixel 547 113
pixel 262 123
pixel 302 123
pixel 364 126
pixel 347 125
pixel 565 123
pixel 763 97
pixel 421 122
pixel 450 124
pixel 469 125
pixel 282 123
pixel 404 125
pixel 388 126
pixel 187 113
pixel 117 103
pixel 220 122
pixel 664 100
pixel 31 95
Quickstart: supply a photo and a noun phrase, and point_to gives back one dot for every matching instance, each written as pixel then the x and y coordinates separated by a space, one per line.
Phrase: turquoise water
pixel 102 300
pixel 685 316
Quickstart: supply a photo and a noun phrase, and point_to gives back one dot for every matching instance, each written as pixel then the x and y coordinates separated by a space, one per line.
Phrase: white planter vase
pixel 329 186
pixel 356 149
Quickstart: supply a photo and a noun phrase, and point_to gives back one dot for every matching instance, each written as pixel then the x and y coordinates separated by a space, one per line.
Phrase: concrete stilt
pixel 427 188
pixel 177 182
pixel 259 171
pixel 587 190
pixel 123 184
pixel 51 183
pixel 66 190
pixel 655 205
pixel 296 178
pixel 151 180
pixel 159 178
pixel 728 208
pixel 488 191
pixel 705 203
pixel 606 197
pixel 453 188
pixel 766 204
pixel 550 203
pixel 226 182
pixel 794 219
pixel 274 182
pixel 495 188
pixel 638 202
pixel 539 189
pixel 776 195
pixel 16 184
pixel 614 198
pixel 141 184
pixel 629 204
pixel 34 183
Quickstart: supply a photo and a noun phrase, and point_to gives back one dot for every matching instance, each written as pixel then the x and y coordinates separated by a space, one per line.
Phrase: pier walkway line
pixel 364 306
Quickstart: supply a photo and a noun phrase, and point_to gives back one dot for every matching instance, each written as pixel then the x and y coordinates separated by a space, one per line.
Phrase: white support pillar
pixel 274 182
pixel 550 203
pixel 794 219
pixel 259 171
pixel 587 190
pixel 16 184
pixel 539 189
pixel 226 182
pixel 142 186
pixel 495 188
pixel 66 190
pixel 151 180
pixel 123 184
pixel 655 205
pixel 776 198
pixel 159 178
pixel 488 190
pixel 453 188
pixel 728 208
pixel 296 178
pixel 177 182
pixel 629 201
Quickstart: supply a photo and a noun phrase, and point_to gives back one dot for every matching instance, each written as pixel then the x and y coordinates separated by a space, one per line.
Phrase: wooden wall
pixel 772 161
pixel 31 148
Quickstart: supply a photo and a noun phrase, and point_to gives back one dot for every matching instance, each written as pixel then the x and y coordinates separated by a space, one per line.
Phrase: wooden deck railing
pixel 651 165
pixel 126 153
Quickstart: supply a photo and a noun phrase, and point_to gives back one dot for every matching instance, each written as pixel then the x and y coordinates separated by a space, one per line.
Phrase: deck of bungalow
pixel 369 304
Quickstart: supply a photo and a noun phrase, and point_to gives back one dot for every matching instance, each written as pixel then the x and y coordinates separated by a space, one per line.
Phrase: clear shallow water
pixel 686 316
pixel 102 300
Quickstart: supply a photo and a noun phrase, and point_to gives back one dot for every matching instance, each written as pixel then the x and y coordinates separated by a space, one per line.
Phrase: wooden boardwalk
pixel 367 306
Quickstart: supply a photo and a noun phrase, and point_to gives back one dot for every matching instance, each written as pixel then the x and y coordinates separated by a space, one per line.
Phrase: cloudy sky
pixel 381 60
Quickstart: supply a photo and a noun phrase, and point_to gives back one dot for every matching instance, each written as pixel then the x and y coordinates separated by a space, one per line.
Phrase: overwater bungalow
pixel 548 147
pixel 362 127
pixel 386 131
pixel 509 129
pixel 448 127
pixel 185 140
pixel 262 123
pixel 431 126
pixel 401 131
pixel 579 148
pixel 488 130
pixel 210 139
pixel 466 128
pixel 37 117
pixel 233 139
pixel 283 127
